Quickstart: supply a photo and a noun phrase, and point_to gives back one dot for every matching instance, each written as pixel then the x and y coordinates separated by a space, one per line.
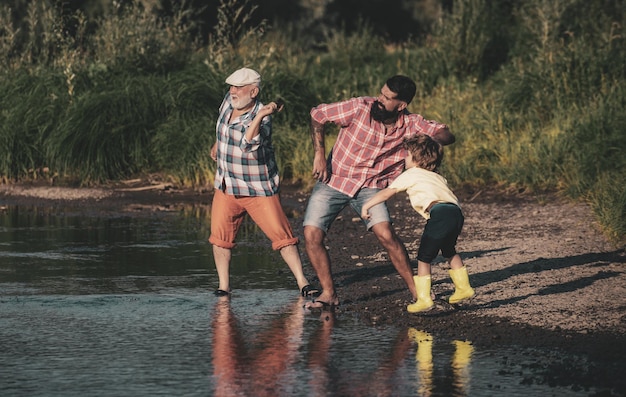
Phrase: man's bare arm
pixel 319 150
pixel 317 136
pixel 444 137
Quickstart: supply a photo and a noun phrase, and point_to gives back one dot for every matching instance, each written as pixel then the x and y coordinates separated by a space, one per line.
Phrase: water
pixel 122 306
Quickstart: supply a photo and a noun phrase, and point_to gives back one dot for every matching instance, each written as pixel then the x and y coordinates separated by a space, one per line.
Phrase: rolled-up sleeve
pixel 255 143
pixel 341 113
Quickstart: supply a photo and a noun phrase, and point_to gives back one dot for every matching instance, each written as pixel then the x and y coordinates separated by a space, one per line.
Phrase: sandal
pixel 221 292
pixel 309 290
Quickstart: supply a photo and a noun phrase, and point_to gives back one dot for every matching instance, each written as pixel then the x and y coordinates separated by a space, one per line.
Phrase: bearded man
pixel 247 181
pixel 367 156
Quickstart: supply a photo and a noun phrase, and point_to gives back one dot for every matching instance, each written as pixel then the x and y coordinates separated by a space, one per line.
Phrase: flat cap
pixel 243 76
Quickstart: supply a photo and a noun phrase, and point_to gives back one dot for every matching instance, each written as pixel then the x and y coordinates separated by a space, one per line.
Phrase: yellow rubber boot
pixel 424 301
pixel 462 288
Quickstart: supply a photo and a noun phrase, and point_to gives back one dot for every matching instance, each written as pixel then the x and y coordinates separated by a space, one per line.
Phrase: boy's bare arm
pixel 378 198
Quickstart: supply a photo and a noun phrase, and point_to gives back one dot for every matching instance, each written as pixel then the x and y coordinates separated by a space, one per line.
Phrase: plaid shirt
pixel 245 168
pixel 365 153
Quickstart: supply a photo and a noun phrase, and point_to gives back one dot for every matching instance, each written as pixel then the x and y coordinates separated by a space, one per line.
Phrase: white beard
pixel 241 102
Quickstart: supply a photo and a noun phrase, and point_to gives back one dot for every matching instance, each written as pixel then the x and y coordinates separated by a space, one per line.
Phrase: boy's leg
pixel 423 268
pixel 462 288
pixel 432 241
pixel 455 262
pixel 458 273
pixel 422 286
pixel 441 233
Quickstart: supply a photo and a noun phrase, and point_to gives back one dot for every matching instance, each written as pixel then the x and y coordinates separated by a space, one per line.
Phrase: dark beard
pixel 379 113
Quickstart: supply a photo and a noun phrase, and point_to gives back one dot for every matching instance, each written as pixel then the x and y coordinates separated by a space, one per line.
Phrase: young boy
pixel 431 197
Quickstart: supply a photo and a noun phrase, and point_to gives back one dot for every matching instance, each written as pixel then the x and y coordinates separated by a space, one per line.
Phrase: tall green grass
pixel 533 91
pixel 105 134
pixel 31 109
pixel 180 145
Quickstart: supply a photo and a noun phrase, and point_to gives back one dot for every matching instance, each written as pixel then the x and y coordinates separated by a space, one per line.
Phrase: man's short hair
pixel 403 86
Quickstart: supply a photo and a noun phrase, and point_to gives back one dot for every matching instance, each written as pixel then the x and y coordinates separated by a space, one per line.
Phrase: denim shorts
pixel 326 203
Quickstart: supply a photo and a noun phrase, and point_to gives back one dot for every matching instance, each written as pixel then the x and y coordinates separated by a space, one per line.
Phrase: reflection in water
pixel 274 361
pixel 256 369
pixel 424 359
pixel 460 364
pixel 383 380
pixel 319 358
pixel 284 357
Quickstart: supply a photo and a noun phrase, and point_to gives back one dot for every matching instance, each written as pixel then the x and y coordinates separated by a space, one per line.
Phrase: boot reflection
pixel 244 368
pixel 460 364
pixel 424 358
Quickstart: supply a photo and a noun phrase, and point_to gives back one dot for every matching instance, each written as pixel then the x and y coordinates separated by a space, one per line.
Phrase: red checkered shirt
pixel 365 153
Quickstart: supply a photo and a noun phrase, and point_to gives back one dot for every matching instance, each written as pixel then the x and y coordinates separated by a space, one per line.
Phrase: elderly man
pixel 247 179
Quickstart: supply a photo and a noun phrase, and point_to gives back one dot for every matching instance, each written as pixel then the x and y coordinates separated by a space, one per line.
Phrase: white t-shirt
pixel 424 187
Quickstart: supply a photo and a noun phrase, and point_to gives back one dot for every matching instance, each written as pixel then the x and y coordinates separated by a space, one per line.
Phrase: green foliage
pixel 138 39
pixel 232 19
pixel 473 38
pixel 297 94
pixel 351 64
pixel 608 200
pixel 105 134
pixel 596 146
pixel 31 108
pixel 181 143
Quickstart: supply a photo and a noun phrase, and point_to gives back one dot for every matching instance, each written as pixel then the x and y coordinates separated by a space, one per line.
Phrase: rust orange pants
pixel 228 211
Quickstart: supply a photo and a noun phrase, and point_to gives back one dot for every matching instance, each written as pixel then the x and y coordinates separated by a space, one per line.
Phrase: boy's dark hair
pixel 403 86
pixel 426 152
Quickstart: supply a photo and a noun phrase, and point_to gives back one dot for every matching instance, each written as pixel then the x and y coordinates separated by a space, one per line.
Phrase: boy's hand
pixel 365 213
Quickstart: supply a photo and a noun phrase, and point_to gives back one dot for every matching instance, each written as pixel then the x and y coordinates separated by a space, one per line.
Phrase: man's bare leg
pixel 291 256
pixel 397 253
pixel 320 260
pixel 222 257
